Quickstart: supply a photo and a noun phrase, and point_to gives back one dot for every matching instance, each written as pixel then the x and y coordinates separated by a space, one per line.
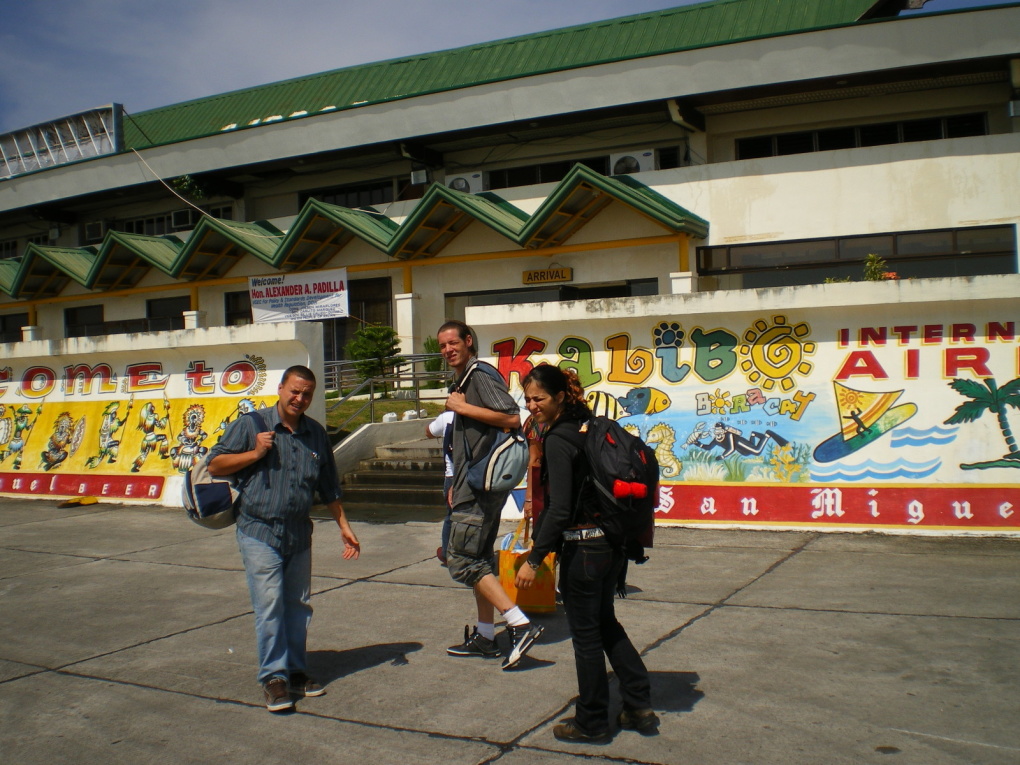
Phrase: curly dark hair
pixel 554 380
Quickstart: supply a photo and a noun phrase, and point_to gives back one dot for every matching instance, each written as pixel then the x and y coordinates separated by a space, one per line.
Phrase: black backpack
pixel 625 475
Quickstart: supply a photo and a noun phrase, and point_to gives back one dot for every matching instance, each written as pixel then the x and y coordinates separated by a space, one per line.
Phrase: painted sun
pixel 774 353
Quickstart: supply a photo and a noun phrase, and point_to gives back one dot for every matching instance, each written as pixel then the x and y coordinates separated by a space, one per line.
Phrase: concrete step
pixel 393 477
pixel 376 513
pixel 389 495
pixel 402 465
pixel 426 450
pixel 403 482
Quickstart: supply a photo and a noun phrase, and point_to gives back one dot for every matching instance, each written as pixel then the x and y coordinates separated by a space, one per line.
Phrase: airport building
pixel 612 196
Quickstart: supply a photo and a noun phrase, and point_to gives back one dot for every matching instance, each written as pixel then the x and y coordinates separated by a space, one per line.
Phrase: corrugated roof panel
pixel 706 24
pixel 9 274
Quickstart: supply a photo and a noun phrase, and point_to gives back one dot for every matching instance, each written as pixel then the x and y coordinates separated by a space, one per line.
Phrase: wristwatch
pixel 534 566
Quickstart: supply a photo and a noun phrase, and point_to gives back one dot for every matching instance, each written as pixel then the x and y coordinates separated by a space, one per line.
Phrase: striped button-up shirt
pixel 277 492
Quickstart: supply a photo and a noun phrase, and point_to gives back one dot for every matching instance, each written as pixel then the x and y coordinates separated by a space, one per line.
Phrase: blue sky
pixel 59 57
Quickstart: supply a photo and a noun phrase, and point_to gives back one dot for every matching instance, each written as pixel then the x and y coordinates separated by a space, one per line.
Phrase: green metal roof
pixel 691 26
pixel 320 231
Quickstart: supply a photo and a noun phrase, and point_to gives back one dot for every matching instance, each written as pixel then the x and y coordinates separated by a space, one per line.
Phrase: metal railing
pixel 410 378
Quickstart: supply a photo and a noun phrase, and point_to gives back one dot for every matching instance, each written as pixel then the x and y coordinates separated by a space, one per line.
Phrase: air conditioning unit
pixel 634 161
pixel 470 181
pixel 182 218
pixel 95 231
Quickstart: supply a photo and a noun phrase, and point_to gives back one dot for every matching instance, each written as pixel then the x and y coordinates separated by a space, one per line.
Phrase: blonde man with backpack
pixel 483 406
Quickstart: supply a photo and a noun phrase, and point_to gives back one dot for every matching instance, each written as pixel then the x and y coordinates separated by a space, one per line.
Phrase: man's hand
pixel 352 547
pixel 525 576
pixel 264 442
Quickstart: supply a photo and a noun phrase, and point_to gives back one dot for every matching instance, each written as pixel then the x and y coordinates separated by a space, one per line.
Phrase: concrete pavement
pixel 126 637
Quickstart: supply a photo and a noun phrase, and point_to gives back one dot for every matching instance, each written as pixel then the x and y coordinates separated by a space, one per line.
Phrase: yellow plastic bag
pixel 541 597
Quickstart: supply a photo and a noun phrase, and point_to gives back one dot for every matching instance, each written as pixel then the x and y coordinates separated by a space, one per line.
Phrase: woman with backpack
pixel 589 565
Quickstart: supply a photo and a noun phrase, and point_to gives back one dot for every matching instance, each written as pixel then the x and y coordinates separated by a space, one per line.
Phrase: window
pixel 84 321
pixel 456 303
pixel 10 326
pixel 237 308
pixel 370 300
pixel 162 224
pixel 830 139
pixel 547 172
pixel 914 254
pixel 164 314
pixel 8 249
pixel 354 196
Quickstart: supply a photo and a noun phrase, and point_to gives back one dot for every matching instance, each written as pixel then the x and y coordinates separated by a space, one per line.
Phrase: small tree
pixel 375 350
pixel 435 364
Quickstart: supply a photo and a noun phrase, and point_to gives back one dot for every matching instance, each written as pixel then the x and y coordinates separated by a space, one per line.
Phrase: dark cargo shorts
pixel 474 527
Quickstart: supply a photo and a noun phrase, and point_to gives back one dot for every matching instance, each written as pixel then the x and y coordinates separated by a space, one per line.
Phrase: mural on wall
pixel 785 420
pixel 95 429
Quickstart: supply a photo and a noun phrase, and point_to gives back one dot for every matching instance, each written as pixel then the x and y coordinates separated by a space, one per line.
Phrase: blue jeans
pixel 588 574
pixel 280 587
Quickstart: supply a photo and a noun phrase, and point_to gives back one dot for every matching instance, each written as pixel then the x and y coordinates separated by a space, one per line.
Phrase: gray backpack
pixel 210 501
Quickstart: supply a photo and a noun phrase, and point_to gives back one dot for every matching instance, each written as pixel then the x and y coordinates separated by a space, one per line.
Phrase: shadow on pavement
pixel 328 666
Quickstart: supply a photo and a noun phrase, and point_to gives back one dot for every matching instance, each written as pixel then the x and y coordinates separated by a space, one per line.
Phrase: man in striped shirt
pixel 279 472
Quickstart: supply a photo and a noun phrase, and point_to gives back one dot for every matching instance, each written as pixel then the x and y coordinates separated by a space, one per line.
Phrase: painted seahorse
pixel 662 438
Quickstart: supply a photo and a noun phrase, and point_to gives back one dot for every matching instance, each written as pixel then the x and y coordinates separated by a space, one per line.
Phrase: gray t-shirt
pixel 485 390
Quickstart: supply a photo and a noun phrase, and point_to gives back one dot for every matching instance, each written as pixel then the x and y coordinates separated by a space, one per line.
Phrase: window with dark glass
pixel 354 196
pixel 754 148
pixel 164 314
pixel 10 326
pixel 922 130
pixel 829 139
pixel 913 254
pixel 837 138
pixel 371 301
pixel 795 143
pixel 237 308
pixel 966 125
pixel 84 321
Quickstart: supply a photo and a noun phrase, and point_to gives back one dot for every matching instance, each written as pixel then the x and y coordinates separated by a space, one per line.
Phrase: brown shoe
pixel 277 695
pixel 644 721
pixel 569 731
pixel 302 685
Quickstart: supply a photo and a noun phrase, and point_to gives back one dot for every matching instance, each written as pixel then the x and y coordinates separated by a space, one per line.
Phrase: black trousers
pixel 588 573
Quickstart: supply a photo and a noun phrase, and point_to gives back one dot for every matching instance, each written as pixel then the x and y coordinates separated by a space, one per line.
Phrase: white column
pixel 683 282
pixel 31 332
pixel 407 322
pixel 194 319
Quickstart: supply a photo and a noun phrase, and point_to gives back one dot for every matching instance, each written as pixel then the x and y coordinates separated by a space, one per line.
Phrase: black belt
pixel 576 535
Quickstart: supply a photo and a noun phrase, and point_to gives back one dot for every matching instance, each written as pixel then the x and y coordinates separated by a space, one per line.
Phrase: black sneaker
pixel 302 685
pixel 521 640
pixel 277 694
pixel 475 645
pixel 568 730
pixel 644 721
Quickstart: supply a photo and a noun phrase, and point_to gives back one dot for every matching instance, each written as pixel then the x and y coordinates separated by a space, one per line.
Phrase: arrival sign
pixel 299 297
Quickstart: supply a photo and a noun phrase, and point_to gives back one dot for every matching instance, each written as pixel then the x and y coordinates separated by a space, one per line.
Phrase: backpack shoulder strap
pixel 261 427
pixel 484 367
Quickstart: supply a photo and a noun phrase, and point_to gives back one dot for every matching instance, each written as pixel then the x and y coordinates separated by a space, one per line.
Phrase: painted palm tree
pixel 988 398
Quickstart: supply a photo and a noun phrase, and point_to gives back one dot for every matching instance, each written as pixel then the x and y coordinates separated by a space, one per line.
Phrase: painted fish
pixel 645 401
pixel 603 405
